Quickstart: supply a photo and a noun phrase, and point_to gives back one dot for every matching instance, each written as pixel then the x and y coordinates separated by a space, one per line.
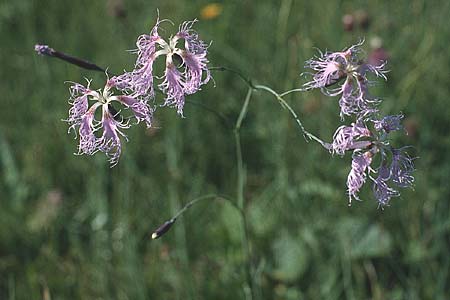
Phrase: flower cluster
pixel 395 166
pixel 82 118
pixel 100 125
pixel 350 74
pixel 179 79
pixel 344 74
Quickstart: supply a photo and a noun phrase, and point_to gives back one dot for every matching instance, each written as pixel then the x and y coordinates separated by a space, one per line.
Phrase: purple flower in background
pixel 82 117
pixel 399 173
pixel 378 57
pixel 389 123
pixel 179 79
pixel 402 168
pixel 383 192
pixel 358 174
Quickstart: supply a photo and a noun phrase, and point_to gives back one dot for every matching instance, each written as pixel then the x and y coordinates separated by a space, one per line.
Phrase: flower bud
pixel 163 229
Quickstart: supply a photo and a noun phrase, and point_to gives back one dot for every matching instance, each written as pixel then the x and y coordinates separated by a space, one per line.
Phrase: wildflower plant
pixel 330 69
pixel 342 73
pixel 100 117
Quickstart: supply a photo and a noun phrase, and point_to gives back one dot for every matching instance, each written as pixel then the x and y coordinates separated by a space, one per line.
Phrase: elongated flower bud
pixel 163 229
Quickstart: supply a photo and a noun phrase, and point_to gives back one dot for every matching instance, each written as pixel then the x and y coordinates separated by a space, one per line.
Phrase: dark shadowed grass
pixel 72 228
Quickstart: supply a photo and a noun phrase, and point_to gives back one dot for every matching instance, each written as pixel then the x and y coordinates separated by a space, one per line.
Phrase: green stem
pixel 280 99
pixel 247 80
pixel 292 91
pixel 163 228
pixel 285 105
pixel 240 196
pixel 205 197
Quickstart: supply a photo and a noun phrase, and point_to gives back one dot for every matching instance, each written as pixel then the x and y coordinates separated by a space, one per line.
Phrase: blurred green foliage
pixel 72 228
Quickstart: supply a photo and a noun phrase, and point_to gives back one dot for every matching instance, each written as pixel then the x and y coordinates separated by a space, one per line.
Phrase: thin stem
pixel 307 133
pixel 205 197
pixel 247 80
pixel 285 105
pixel 162 229
pixel 280 99
pixel 239 161
pixel 244 110
pixel 240 195
pixel 269 90
pixel 292 91
pixel 248 254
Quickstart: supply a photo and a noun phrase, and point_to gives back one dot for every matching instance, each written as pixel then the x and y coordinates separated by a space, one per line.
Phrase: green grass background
pixel 72 228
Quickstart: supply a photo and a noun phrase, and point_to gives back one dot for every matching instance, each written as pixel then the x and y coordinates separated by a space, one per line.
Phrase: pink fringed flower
pixel 331 67
pixel 358 174
pixel 355 99
pixel 173 86
pixel 82 117
pixel 345 137
pixel 344 74
pixel 396 166
pixel 88 141
pixel 178 80
pixel 109 142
